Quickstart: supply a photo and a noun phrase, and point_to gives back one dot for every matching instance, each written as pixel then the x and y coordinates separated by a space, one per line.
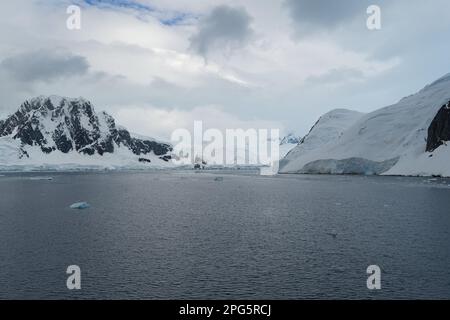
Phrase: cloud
pixel 310 16
pixel 337 76
pixel 44 65
pixel 160 123
pixel 155 58
pixel 223 28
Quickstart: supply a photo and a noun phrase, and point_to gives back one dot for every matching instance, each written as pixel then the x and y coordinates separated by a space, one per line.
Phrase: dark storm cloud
pixel 224 27
pixel 316 15
pixel 44 65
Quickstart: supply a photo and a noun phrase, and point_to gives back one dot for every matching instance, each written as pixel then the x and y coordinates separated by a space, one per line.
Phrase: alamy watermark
pixel 374 279
pixel 241 147
pixel 73 22
pixel 74 280
pixel 374 20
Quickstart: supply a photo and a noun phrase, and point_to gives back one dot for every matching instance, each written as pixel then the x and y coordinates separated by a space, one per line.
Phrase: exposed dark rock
pixel 145 160
pixel 439 130
pixel 23 153
pixel 166 158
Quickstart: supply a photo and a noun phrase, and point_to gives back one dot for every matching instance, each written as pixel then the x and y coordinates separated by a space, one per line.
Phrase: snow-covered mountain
pixel 288 143
pixel 407 138
pixel 56 132
pixel 290 139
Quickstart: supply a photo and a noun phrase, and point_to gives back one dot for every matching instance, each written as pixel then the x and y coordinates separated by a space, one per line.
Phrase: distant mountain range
pixel 407 138
pixel 65 133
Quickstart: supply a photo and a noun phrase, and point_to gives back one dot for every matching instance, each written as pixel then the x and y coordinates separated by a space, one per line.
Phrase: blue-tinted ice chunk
pixel 80 205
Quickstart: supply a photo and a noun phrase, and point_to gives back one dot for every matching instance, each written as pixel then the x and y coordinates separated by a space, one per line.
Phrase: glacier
pixel 349 166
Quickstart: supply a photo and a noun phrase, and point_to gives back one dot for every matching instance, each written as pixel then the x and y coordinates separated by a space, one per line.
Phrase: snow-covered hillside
pixel 63 133
pixel 327 129
pixel 394 140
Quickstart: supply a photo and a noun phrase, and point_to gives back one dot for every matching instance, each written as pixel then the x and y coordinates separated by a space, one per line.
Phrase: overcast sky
pixel 158 65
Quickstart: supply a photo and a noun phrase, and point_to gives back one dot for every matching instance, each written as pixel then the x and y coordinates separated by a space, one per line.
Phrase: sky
pixel 159 65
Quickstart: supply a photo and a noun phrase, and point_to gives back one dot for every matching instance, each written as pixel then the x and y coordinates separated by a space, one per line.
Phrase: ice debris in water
pixel 218 179
pixel 80 205
pixel 41 178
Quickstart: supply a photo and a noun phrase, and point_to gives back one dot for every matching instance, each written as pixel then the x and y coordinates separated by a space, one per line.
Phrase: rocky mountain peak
pixel 65 124
pixel 290 139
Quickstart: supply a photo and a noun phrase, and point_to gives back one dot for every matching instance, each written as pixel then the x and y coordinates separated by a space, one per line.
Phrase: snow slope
pixel 122 158
pixel 391 140
pixel 327 130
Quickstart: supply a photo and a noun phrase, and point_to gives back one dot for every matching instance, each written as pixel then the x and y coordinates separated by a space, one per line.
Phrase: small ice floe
pixel 80 205
pixel 41 178
pixel 218 179
pixel 338 204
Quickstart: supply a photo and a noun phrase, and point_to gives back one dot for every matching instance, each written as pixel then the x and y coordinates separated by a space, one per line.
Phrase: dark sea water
pixel 181 235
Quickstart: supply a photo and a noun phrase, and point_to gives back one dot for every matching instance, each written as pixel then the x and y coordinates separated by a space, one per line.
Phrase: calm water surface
pixel 181 235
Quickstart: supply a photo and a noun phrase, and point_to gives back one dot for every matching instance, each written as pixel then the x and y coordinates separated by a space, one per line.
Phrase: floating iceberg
pixel 41 178
pixel 80 205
